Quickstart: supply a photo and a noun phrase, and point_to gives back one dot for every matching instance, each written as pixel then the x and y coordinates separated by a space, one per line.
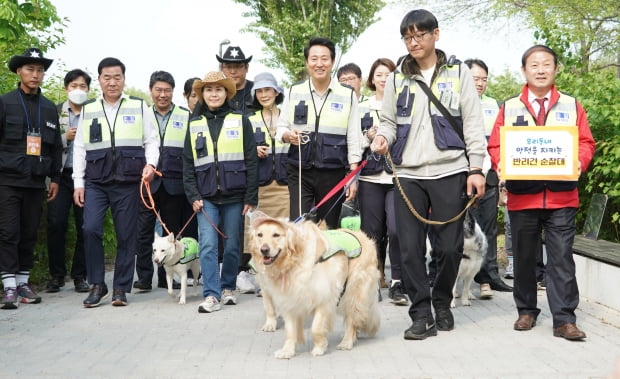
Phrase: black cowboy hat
pixel 30 55
pixel 233 54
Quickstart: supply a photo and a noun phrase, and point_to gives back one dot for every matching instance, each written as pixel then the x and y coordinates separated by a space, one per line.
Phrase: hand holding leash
pixel 476 185
pixel 379 145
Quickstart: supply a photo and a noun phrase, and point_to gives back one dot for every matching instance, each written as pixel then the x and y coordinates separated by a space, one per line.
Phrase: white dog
pixel 177 257
pixel 474 250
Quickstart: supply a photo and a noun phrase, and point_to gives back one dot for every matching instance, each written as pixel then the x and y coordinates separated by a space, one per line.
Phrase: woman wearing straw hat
pixel 220 173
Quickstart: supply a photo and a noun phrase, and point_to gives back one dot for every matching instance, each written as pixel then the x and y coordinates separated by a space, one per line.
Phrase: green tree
pixel 24 24
pixel 286 27
pixel 587 31
pixel 501 87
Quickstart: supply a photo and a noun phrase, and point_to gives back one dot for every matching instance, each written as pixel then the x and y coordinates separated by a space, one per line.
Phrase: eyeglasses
pixel 348 79
pixel 415 37
pixel 165 91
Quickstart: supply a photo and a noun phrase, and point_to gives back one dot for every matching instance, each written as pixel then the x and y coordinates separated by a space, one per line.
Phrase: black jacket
pixel 215 120
pixel 16 167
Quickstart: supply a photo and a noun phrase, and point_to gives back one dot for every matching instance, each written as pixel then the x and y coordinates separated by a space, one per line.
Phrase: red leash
pixel 338 187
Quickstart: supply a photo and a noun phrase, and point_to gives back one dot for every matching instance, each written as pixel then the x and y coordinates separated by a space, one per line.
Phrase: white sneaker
pixel 245 282
pixel 228 297
pixel 211 304
pixel 190 282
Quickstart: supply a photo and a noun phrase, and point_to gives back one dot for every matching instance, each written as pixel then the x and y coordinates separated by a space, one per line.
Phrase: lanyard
pixel 31 129
pixel 317 116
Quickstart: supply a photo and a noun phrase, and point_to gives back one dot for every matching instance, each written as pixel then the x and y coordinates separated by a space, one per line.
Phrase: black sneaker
pixel 97 293
pixel 54 284
pixel 142 285
pixel 27 295
pixel 420 329
pixel 396 293
pixel 444 319
pixel 80 285
pixel 119 299
pixel 175 285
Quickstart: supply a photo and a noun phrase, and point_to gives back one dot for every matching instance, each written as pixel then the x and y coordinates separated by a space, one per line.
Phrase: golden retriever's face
pixel 270 240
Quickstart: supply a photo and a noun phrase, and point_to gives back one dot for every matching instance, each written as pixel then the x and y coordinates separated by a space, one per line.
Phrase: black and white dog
pixel 474 250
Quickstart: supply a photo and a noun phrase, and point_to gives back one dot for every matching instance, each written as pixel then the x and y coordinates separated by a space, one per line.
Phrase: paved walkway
pixel 154 337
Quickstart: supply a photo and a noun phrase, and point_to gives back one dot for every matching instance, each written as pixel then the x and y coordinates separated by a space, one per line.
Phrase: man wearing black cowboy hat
pixel 30 151
pixel 234 65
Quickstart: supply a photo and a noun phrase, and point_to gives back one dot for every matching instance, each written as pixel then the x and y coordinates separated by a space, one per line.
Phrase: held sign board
pixel 539 152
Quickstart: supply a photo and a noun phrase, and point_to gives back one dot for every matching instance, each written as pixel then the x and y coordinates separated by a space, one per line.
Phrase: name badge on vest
pixel 562 117
pixel 129 119
pixel 177 125
pixel 232 134
pixel 33 144
pixel 336 107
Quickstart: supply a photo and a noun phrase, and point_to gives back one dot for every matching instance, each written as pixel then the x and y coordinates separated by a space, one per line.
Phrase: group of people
pixel 428 134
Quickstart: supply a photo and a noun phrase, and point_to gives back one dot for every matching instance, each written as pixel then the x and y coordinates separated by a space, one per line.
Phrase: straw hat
pixel 215 77
pixel 30 55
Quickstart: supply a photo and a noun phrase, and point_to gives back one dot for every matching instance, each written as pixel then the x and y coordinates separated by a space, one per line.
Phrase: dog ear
pixel 171 237
pixel 156 236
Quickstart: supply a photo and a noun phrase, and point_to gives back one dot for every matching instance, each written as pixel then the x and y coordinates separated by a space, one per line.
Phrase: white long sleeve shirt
pixel 150 138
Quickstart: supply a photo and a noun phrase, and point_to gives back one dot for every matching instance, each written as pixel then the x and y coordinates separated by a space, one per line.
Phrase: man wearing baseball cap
pixel 235 65
pixel 30 151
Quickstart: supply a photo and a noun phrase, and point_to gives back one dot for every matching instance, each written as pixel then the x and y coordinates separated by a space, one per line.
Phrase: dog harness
pixel 341 241
pixel 190 250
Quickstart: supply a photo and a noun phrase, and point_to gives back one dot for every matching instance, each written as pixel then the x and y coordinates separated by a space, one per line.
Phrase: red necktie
pixel 540 117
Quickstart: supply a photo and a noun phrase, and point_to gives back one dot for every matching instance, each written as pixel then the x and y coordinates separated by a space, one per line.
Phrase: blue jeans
pixel 230 218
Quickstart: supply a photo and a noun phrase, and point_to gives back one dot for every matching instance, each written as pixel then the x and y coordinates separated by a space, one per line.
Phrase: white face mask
pixel 77 96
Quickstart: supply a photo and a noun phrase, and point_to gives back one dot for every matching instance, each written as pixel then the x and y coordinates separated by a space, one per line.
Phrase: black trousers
pixel 57 221
pixel 562 290
pixel 19 220
pixel 174 210
pixel 446 197
pixel 486 215
pixel 315 184
pixel 376 203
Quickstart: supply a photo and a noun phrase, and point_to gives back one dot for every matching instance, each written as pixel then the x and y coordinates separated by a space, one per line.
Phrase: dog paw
pixel 171 293
pixel 465 302
pixel 270 326
pixel 182 300
pixel 318 351
pixel 348 345
pixel 452 304
pixel 284 354
pixel 472 297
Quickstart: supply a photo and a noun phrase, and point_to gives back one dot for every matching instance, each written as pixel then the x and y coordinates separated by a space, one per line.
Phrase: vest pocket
pixel 41 166
pixel 446 137
pixel 396 151
pixel 265 168
pixel 14 129
pixel 233 176
pixel 205 180
pixel 98 165
pixel 172 163
pixel 131 163
pixel 12 162
pixel 332 149
pixel 281 174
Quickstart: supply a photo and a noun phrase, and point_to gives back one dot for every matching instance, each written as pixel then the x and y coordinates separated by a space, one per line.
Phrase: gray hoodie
pixel 421 158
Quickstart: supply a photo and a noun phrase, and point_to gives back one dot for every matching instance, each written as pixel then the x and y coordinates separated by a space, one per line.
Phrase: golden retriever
pixel 297 283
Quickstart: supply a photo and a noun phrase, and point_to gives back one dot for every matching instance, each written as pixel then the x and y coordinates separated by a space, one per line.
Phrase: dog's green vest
pixel 190 250
pixel 340 241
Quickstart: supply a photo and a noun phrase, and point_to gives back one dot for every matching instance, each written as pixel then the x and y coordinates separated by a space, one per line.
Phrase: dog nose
pixel 156 260
pixel 264 249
